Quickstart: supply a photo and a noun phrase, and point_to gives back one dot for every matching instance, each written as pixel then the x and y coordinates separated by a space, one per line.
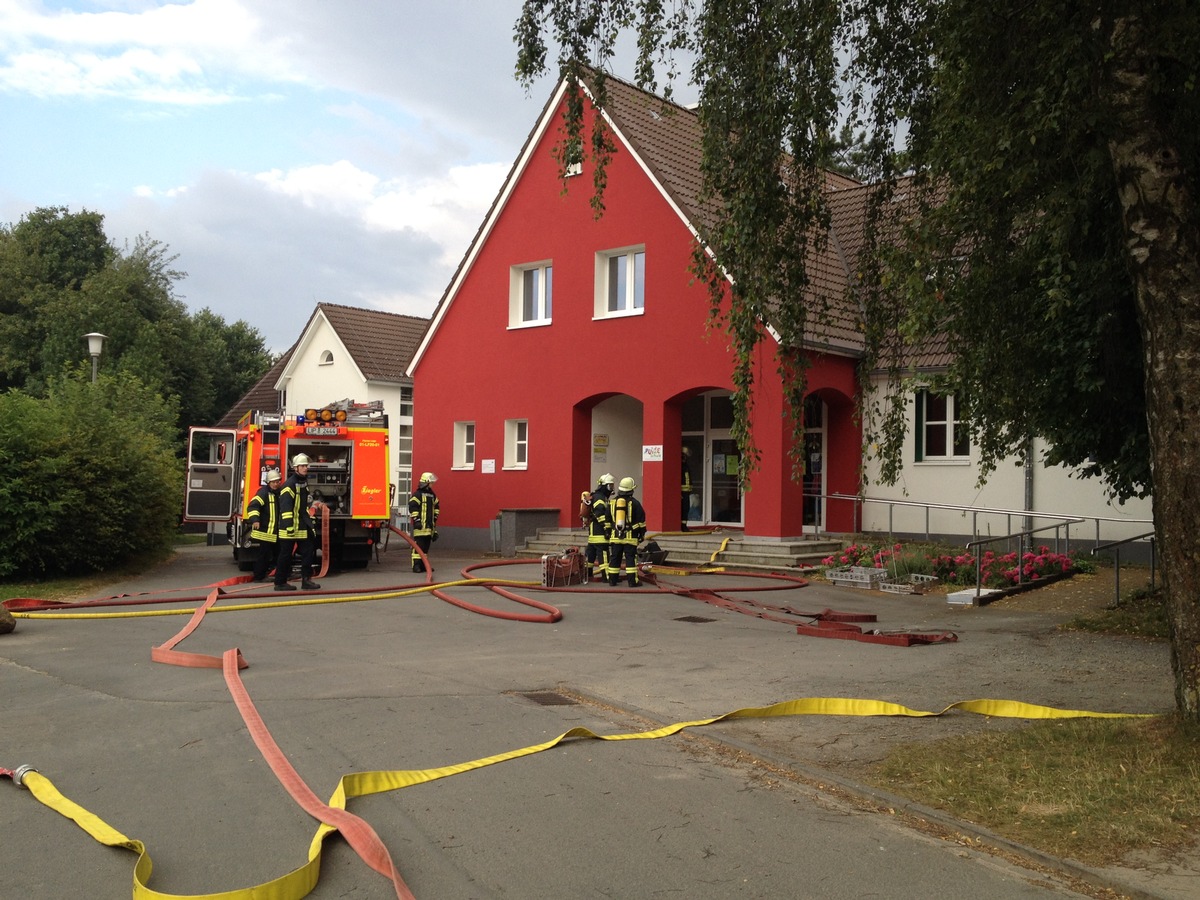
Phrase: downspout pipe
pixel 1029 484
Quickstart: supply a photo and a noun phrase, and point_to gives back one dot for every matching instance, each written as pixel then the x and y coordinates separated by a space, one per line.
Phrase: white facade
pixel 321 371
pixel 997 507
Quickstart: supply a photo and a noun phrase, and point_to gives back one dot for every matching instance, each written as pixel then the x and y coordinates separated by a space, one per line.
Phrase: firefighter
pixel 599 527
pixel 423 510
pixel 295 529
pixel 628 530
pixel 262 518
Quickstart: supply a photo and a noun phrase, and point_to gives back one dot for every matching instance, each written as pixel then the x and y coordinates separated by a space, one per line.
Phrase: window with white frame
pixel 940 433
pixel 620 282
pixel 516 443
pixel 464 445
pixel 531 294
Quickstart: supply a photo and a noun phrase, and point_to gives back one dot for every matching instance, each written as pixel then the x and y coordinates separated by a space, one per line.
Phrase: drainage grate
pixel 698 620
pixel 547 698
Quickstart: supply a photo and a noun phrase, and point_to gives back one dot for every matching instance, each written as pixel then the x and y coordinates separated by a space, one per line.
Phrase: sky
pixel 287 152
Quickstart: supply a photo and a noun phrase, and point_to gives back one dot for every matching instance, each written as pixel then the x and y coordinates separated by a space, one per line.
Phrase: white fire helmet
pixel 299 460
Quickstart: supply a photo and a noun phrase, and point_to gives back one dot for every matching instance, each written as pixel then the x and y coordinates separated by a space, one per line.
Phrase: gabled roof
pixel 380 344
pixel 665 140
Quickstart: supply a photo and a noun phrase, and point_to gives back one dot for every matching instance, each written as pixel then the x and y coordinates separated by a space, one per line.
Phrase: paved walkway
pixel 412 682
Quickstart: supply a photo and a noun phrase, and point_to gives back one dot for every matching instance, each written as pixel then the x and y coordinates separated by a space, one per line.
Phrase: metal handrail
pixel 1007 537
pixel 1117 560
pixel 976 511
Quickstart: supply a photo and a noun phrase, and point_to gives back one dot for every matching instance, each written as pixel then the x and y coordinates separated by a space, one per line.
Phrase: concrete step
pixel 724 548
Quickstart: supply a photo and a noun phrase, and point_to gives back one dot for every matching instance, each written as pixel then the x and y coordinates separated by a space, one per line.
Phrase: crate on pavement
pixel 563 569
pixel 857 576
pixel 908 584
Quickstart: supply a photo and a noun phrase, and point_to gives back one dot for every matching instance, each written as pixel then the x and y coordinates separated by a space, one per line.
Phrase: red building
pixel 568 346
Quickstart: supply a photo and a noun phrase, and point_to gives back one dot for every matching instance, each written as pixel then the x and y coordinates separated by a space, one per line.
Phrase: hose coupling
pixel 19 774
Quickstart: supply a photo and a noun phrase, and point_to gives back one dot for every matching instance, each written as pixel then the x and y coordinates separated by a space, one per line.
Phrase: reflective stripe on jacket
pixel 294 521
pixel 599 521
pixel 263 515
pixel 635 521
pixel 423 510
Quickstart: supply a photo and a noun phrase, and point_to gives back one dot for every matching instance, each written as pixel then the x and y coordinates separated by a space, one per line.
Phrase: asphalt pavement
pixel 394 678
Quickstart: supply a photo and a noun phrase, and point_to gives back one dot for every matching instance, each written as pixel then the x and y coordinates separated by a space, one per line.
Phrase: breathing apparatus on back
pixel 621 505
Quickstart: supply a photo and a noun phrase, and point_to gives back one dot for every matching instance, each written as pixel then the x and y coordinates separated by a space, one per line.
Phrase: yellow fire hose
pixel 299 882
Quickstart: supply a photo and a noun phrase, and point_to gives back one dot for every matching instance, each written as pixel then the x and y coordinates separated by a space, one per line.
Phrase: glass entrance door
pixel 814 465
pixel 725 495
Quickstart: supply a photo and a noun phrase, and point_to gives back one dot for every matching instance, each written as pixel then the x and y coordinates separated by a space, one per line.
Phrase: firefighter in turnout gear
pixel 628 530
pixel 599 527
pixel 295 529
pixel 262 520
pixel 423 511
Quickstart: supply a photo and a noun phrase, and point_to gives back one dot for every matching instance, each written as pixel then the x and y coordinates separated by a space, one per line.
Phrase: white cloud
pixel 267 247
pixel 173 53
pixel 289 151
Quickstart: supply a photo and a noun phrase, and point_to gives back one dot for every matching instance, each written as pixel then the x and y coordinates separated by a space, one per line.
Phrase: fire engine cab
pixel 347 445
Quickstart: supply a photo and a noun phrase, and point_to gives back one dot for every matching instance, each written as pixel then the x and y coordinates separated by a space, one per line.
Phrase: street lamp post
pixel 95 345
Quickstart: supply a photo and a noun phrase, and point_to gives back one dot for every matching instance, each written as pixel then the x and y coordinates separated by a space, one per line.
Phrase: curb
pixel 813 776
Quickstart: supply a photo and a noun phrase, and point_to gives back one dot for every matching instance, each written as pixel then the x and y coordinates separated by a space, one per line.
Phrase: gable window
pixel 464 445
pixel 940 433
pixel 620 282
pixel 326 358
pixel 516 443
pixel 531 294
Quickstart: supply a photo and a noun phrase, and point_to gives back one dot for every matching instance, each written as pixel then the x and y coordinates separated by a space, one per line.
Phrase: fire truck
pixel 347 445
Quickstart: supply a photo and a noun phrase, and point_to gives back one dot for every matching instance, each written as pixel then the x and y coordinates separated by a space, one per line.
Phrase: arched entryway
pixel 608 439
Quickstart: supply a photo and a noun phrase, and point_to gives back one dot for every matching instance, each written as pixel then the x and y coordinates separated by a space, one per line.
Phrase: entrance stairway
pixel 726 547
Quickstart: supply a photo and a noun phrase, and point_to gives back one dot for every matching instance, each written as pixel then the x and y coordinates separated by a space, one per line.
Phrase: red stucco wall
pixel 476 368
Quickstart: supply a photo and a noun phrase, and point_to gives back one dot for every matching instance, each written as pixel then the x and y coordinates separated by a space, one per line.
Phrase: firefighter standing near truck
pixel 423 510
pixel 628 530
pixel 295 529
pixel 262 518
pixel 599 527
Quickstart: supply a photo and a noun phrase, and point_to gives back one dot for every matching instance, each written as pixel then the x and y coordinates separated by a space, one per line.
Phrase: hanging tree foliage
pixel 1036 173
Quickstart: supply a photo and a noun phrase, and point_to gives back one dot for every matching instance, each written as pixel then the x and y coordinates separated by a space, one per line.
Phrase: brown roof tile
pixel 667 137
pixel 381 343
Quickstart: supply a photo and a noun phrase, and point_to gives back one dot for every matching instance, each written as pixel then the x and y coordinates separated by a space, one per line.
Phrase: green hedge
pixel 89 477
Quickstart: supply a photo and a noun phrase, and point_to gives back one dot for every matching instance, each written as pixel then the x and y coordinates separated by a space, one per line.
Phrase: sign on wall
pixel 652 453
